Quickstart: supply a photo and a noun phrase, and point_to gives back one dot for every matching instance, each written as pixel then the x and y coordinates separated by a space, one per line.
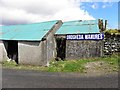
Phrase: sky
pixel 108 11
pixel 31 11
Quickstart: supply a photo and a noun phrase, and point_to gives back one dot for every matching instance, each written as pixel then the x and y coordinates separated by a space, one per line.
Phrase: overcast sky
pixel 31 11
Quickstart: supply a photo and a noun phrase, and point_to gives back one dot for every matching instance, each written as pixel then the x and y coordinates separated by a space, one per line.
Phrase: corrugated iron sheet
pixel 78 27
pixel 29 32
pixel 0 31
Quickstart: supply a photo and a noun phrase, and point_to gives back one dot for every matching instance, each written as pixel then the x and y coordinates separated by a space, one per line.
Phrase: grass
pixel 12 65
pixel 68 65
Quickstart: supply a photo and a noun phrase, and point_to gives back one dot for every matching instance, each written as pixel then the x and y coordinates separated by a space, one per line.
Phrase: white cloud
pixel 100 0
pixel 109 0
pixel 28 11
pixel 95 6
pixel 107 4
pixel 104 6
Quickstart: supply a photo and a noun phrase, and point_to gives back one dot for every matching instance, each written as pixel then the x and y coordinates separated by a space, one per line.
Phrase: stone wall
pixel 111 44
pixel 83 49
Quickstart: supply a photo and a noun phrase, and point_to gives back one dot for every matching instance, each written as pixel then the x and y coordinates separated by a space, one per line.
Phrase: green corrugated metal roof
pixel 0 32
pixel 78 27
pixel 29 32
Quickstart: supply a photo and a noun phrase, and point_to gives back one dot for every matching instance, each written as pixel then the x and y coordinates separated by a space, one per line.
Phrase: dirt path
pixel 98 68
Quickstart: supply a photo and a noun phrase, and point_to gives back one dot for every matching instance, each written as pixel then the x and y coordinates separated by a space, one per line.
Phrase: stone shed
pixel 32 44
pixel 80 39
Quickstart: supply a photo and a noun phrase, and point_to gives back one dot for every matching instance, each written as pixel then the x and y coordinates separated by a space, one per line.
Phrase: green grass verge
pixel 12 65
pixel 68 65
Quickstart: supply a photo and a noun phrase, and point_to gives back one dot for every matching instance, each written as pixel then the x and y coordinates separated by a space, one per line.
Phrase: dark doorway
pixel 61 48
pixel 11 49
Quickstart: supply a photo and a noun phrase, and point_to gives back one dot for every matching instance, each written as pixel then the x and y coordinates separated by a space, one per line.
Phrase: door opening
pixel 61 48
pixel 11 49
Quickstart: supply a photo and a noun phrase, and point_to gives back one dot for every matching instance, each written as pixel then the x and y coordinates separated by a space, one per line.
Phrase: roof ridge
pixel 30 23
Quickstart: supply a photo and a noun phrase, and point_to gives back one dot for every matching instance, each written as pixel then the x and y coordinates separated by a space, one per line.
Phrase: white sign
pixel 85 37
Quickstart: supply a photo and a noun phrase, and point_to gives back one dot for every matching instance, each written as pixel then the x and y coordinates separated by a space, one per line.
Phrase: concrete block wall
pixel 31 53
pixel 51 42
pixel 3 53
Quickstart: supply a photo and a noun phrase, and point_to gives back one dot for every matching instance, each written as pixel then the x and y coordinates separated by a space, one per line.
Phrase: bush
pixel 112 31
